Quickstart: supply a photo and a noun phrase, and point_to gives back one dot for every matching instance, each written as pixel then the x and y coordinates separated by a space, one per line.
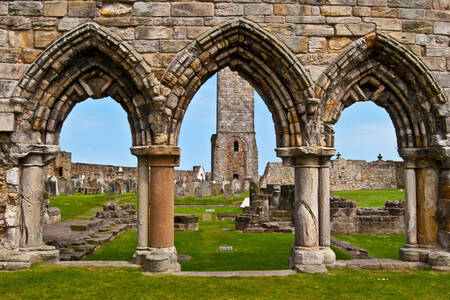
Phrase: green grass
pixel 251 251
pixel 372 198
pixel 58 282
pixel 378 245
pixel 80 206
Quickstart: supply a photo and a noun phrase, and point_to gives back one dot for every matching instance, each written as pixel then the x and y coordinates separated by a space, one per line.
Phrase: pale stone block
pixel 192 9
pixel 424 39
pixel 384 12
pixel 385 24
pixel 25 8
pixel 414 14
pixel 306 19
pixel 404 37
pixel 70 23
pixel 443 78
pixel 343 20
pixel 229 9
pixel 437 15
pixel 338 43
pixel 409 3
pixel 336 11
pixel 354 29
pixel 3 8
pixel 372 2
pixel 151 9
pixel 293 10
pixel 314 30
pixel 55 9
pixel 258 9
pixel 172 46
pixel 362 11
pixel 153 32
pixel 437 51
pixel 441 28
pixel 6 88
pixel 317 44
pixel 341 2
pixel 11 71
pixel 417 26
pixel 12 175
pixel 3 38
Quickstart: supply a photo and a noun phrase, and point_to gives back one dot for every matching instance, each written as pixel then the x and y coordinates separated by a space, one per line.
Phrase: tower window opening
pixel 235 176
pixel 236 146
pixel 61 171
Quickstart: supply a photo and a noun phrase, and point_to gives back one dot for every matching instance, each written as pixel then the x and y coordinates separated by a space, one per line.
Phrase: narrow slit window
pixel 236 146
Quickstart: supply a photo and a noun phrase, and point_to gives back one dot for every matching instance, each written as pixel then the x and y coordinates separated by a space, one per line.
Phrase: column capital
pixel 38 155
pixel 305 156
pixel 159 155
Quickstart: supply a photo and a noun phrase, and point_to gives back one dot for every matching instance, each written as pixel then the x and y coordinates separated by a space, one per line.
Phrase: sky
pixel 97 131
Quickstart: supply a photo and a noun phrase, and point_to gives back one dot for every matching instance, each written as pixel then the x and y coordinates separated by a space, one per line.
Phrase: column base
pixel 23 258
pixel 311 260
pixel 157 260
pixel 433 256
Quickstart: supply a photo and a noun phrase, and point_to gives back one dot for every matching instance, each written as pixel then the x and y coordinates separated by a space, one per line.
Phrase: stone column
pixel 161 255
pixel 32 182
pixel 427 176
pixel 411 204
pixel 143 221
pixel 324 202
pixel 306 255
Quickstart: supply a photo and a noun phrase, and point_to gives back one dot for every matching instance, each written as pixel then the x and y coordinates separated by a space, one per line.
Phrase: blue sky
pixel 97 131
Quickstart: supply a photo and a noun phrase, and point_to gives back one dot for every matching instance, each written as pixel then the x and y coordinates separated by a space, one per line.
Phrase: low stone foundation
pixel 270 210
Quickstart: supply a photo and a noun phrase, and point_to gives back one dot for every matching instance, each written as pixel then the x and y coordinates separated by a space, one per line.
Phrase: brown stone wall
pixel 61 166
pixel 235 123
pixel 345 175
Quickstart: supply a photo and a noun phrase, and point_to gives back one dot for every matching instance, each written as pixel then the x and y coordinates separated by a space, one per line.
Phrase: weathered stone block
pixel 29 55
pixel 415 14
pixel 3 38
pixel 6 88
pixel 385 24
pixel 25 8
pixel 44 38
pixel 192 9
pixel 7 124
pixel 437 51
pixel 153 32
pixel 258 9
pixel 151 9
pixel 172 46
pixel 417 26
pixel 434 63
pixel 306 19
pixel 404 37
pixel 338 43
pixel 362 11
pixel 314 30
pixel 55 9
pixel 354 29
pixel 115 9
pixel 437 15
pixel 384 12
pixel 317 44
pixel 229 9
pixel 82 9
pixel 410 4
pixel 336 10
pixel 372 2
pixel 441 28
pixel 292 10
pixel 343 20
pixel 145 46
pixel 297 44
pixel 3 8
pixel 69 23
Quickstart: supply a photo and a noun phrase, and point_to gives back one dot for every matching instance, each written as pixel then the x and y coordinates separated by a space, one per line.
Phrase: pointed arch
pixel 378 68
pixel 265 62
pixel 88 61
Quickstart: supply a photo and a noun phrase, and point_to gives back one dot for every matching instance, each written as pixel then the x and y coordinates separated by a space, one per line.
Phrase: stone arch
pixel 265 62
pixel 378 68
pixel 88 61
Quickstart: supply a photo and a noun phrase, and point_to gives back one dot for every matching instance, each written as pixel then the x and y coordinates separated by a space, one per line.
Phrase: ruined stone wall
pixel 108 172
pixel 345 175
pixel 233 147
pixel 61 166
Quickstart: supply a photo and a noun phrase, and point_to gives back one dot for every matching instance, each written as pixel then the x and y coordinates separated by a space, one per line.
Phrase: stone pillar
pixel 427 176
pixel 143 221
pixel 411 204
pixel 161 255
pixel 32 182
pixel 306 254
pixel 324 202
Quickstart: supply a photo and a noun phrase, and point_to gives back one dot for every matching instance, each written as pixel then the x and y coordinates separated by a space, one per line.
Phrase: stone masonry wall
pixel 235 123
pixel 316 31
pixel 345 175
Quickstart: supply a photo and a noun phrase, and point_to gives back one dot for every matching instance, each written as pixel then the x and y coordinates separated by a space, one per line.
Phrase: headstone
pixel 205 189
pixel 227 192
pixel 198 192
pixel 62 186
pixel 190 189
pixel 247 183
pixel 53 186
pixel 181 192
pixel 69 187
pixel 215 189
pixel 206 217
pixel 237 187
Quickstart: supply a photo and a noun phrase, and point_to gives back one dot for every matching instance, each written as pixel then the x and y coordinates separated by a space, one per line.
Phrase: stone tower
pixel 233 148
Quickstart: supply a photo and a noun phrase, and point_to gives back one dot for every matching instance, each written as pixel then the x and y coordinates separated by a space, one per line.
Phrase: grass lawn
pixel 58 282
pixel 378 245
pixel 251 251
pixel 372 198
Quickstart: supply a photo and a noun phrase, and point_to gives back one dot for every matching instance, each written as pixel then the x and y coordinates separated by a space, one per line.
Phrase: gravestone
pixel 215 189
pixel 198 192
pixel 206 217
pixel 227 192
pixel 205 189
pixel 53 186
pixel 237 187
pixel 190 189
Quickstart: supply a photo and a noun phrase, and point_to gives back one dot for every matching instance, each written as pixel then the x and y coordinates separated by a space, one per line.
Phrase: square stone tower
pixel 233 148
